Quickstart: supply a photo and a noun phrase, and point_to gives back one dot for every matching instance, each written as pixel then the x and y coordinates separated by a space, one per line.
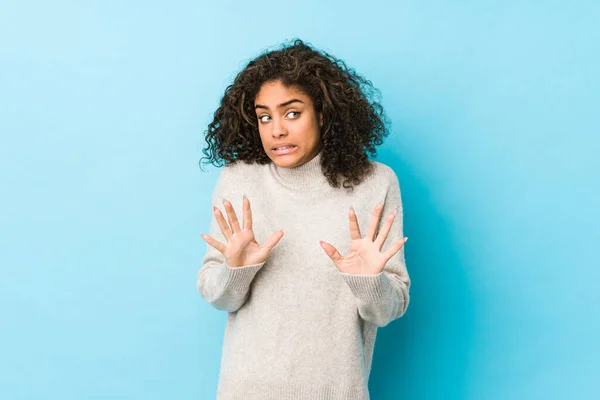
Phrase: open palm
pixel 365 256
pixel 242 248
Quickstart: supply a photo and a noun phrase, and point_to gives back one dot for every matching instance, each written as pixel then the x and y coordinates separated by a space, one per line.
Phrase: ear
pixel 321 119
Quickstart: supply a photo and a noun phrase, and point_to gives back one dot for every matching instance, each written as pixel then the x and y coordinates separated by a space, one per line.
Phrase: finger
pixel 354 229
pixel 385 229
pixel 272 240
pixel 331 251
pixel 374 221
pixel 394 249
pixel 214 243
pixel 233 221
pixel 222 223
pixel 247 215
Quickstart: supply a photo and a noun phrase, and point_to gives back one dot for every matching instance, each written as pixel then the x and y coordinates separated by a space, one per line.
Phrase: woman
pixel 305 297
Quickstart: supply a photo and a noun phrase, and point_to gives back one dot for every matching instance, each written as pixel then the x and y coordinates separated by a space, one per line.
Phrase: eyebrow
pixel 281 105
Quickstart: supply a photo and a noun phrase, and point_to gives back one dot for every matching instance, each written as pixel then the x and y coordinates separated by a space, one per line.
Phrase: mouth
pixel 284 150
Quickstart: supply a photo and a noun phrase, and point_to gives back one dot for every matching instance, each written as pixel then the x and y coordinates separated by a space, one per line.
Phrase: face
pixel 287 116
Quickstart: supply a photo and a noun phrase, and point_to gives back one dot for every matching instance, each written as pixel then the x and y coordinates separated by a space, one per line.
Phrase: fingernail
pixel 352 209
pixel 245 197
pixel 405 239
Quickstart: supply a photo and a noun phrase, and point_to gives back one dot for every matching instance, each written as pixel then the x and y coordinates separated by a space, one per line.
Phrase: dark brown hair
pixel 353 123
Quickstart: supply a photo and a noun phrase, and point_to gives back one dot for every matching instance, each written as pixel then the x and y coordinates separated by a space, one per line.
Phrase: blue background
pixel 495 123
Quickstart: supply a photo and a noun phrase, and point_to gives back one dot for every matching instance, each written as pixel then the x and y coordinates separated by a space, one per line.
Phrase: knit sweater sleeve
pixel 224 287
pixel 384 297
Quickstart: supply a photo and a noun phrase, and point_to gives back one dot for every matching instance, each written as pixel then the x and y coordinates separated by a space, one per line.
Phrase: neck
pixel 307 176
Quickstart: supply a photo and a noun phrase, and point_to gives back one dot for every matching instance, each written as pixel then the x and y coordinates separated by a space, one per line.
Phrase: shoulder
pixel 387 181
pixel 239 170
pixel 236 174
pixel 383 175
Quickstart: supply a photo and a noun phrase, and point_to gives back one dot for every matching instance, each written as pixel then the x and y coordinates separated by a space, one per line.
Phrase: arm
pixel 222 286
pixel 384 297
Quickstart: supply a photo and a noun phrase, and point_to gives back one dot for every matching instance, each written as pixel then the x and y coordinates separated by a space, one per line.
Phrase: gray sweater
pixel 297 327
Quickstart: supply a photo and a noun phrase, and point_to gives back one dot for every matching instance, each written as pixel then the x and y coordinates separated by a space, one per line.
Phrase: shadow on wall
pixel 425 353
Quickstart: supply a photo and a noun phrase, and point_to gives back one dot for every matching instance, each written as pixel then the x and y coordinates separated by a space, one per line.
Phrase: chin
pixel 285 162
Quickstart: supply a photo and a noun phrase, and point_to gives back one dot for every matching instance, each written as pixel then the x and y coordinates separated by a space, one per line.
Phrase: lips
pixel 284 151
pixel 283 145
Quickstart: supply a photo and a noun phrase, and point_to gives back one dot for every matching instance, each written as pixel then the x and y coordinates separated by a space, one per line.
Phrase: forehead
pixel 273 93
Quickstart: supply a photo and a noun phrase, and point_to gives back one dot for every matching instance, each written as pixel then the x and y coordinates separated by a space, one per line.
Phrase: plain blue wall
pixel 495 123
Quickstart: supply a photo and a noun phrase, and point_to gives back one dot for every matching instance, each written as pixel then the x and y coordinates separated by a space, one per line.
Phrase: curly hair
pixel 353 122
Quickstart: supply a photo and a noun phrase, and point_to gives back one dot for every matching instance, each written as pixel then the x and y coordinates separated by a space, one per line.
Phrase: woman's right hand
pixel 241 248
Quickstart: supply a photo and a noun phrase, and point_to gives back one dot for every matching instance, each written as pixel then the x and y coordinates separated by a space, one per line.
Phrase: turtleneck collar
pixel 307 176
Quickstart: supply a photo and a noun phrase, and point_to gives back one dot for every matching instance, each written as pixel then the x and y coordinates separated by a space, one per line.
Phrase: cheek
pixel 263 134
pixel 307 128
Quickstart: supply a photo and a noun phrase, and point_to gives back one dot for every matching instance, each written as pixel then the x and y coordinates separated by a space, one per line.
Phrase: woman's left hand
pixel 365 256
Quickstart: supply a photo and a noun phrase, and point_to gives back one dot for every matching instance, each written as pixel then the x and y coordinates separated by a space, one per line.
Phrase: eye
pixel 291 112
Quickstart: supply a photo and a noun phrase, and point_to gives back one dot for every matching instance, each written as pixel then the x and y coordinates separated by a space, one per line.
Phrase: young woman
pixel 305 276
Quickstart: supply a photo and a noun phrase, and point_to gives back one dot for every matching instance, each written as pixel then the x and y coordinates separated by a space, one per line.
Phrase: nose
pixel 277 127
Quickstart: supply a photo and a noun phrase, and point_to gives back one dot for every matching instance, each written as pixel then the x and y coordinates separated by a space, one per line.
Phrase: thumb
pixel 330 250
pixel 272 240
